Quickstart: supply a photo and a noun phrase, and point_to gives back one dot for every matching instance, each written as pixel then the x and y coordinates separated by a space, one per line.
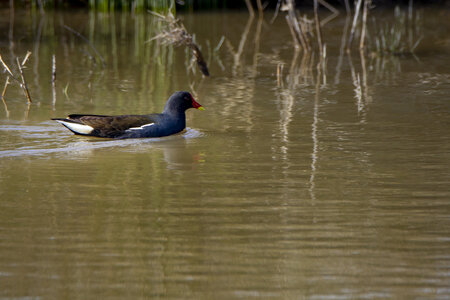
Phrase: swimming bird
pixel 172 120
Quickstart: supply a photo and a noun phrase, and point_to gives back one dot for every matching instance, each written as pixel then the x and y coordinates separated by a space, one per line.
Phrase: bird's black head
pixel 181 101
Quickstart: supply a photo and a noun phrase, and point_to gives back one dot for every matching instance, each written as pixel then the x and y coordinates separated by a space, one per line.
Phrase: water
pixel 303 186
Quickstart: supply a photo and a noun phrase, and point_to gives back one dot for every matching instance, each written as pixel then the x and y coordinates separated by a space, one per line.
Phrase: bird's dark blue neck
pixel 172 108
pixel 174 120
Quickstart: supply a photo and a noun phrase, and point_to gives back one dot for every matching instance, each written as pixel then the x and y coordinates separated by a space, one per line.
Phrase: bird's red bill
pixel 196 105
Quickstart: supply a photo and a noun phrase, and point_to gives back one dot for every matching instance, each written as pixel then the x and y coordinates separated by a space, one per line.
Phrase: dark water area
pixel 296 182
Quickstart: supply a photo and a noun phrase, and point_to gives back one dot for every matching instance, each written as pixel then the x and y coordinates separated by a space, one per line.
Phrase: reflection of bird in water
pixel 178 155
pixel 175 149
pixel 171 121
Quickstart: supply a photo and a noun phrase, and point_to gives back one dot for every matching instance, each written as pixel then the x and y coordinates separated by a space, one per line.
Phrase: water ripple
pixel 43 139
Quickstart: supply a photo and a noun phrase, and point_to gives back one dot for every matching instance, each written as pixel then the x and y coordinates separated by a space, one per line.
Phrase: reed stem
pixel 319 32
pixel 260 7
pixel 4 88
pixel 54 79
pixel 249 5
pixel 24 82
pixel 355 20
pixel 8 70
pixel 364 23
pixel 87 41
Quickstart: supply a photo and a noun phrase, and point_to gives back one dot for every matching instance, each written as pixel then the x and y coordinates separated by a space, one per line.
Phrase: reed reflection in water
pixel 304 178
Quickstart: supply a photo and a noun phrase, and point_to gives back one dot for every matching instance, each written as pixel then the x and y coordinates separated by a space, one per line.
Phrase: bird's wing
pixel 112 126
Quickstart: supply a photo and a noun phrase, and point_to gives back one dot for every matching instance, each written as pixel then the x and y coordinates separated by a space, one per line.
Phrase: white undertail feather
pixel 76 127
pixel 141 127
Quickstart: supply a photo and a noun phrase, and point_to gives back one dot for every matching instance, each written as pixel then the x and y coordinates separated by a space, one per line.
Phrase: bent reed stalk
pixel 22 82
pixel 176 34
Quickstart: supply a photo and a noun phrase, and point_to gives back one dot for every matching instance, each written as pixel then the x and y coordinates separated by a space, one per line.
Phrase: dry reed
pixel 176 34
pixel 22 82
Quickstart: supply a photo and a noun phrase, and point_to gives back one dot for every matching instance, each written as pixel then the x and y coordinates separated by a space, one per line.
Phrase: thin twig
pixel 347 7
pixel 328 19
pixel 251 11
pixel 257 44
pixel 237 54
pixel 7 68
pixel 87 41
pixel 296 26
pixel 11 25
pixel 3 96
pixel 329 6
pixel 4 89
pixel 260 7
pixel 41 7
pixel 24 83
pixel 277 10
pixel 54 79
pixel 53 68
pixel 323 62
pixel 11 75
pixel 355 20
pixel 319 33
pixel 366 95
pixel 364 24
pixel 25 59
pixel 334 12
pixel 66 91
pixel 294 36
pixel 219 44
pixel 199 58
pixel 27 112
pixel 280 74
pixel 306 27
pixel 341 50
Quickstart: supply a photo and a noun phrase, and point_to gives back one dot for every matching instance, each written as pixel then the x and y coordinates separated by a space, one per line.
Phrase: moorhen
pixel 172 120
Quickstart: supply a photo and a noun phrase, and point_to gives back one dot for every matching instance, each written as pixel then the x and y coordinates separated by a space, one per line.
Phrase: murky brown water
pixel 312 187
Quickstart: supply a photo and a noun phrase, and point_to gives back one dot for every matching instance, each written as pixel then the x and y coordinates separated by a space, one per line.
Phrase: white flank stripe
pixel 78 128
pixel 141 127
